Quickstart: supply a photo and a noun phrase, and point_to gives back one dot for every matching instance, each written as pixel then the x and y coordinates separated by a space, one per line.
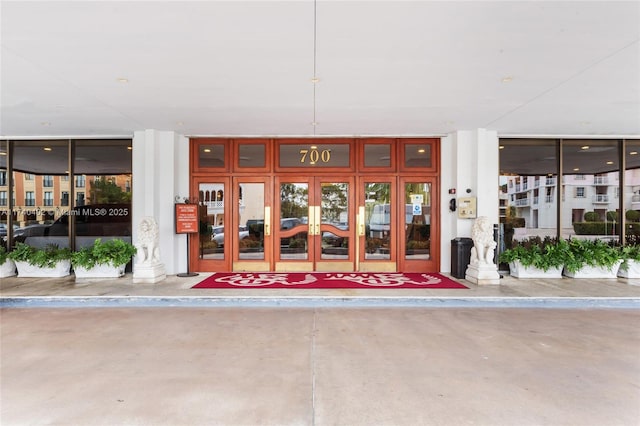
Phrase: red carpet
pixel 327 280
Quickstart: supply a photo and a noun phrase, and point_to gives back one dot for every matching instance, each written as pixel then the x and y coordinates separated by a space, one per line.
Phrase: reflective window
pixel 251 155
pixel 377 155
pixel 378 218
pixel 42 206
pixel 211 156
pixel 417 155
pixel 417 223
pixel 212 220
pixel 251 220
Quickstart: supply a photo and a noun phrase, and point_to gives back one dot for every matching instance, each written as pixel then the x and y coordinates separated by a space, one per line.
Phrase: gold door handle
pixel 317 219
pixel 311 220
pixel 361 227
pixel 267 221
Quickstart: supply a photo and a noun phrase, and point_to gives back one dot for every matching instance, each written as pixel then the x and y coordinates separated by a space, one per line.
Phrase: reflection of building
pixel 44 198
pixel 535 198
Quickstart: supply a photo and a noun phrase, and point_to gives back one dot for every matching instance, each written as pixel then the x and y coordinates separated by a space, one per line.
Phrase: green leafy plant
pixel 3 255
pixel 535 252
pixel 114 252
pixel 591 253
pixel 42 258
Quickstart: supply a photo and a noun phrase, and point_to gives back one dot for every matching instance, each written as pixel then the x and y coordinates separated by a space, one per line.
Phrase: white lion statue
pixel 148 250
pixel 483 243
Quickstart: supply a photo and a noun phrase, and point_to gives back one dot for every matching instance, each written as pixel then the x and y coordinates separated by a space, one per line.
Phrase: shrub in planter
pixel 536 258
pixel 102 259
pixel 592 259
pixel 630 267
pixel 7 266
pixel 51 261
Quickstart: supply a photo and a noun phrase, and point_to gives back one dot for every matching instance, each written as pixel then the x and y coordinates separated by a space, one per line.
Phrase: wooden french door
pixel 314 224
pixel 418 227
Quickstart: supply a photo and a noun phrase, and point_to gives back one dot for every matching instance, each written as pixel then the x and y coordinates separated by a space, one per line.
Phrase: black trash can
pixel 460 256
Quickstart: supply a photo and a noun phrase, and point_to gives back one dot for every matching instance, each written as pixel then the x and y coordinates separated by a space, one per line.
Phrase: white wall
pixel 160 173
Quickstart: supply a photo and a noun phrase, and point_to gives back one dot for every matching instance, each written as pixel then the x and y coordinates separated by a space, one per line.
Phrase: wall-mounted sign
pixel 186 218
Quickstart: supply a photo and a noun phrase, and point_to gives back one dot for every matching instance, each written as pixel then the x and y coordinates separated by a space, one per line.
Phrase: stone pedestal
pixel 148 273
pixel 482 274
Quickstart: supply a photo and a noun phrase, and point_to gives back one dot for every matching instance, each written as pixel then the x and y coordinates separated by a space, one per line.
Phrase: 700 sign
pixel 312 156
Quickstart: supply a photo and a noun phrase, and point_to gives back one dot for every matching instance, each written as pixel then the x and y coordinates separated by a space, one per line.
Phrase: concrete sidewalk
pixel 380 366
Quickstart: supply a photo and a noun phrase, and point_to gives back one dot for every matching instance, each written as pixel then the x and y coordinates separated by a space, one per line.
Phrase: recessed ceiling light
pixel 421 151
pixel 207 150
pixel 507 79
pixel 633 153
pixel 314 147
pixel 577 169
pixel 129 148
pixel 501 147
pixel 609 162
pixel 122 80
pixel 585 147
pixel 47 148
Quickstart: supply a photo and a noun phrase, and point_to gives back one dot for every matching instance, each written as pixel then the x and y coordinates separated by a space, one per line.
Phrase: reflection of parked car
pixel 218 234
pixel 91 222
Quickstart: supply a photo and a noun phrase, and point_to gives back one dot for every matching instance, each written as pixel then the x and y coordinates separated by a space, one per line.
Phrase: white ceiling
pixel 385 67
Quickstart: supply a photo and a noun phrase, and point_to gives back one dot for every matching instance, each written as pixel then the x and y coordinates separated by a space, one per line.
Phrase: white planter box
pixel 99 271
pixel 517 270
pixel 595 272
pixel 7 269
pixel 632 269
pixel 61 269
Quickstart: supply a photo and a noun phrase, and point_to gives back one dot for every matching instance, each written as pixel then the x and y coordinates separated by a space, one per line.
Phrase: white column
pixel 160 173
pixel 470 165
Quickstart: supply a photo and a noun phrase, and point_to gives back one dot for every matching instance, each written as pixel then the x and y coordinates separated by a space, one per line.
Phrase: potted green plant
pixel 106 259
pixel 630 267
pixel 7 266
pixel 51 261
pixel 536 258
pixel 592 259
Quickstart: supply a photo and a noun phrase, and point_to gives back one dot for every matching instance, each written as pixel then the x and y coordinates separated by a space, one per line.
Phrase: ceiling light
pixel 577 169
pixel 129 148
pixel 501 147
pixel 633 153
pixel 47 148
pixel 315 80
pixel 207 150
pixel 507 79
pixel 314 147
pixel 609 162
pixel 421 151
pixel 585 147
pixel 122 80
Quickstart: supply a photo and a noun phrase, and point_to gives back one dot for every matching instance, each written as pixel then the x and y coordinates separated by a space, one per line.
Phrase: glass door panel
pixel 210 251
pixel 292 234
pixel 253 224
pixel 378 224
pixel 417 247
pixel 335 239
